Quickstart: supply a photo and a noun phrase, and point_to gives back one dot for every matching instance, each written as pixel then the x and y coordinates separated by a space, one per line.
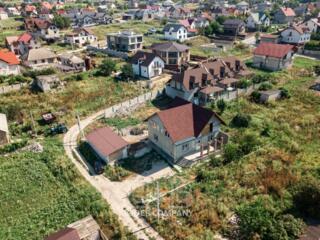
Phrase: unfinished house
pixel 185 132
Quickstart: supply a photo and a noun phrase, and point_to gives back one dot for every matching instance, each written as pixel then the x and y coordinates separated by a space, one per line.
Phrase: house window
pixel 185 147
pixel 155 137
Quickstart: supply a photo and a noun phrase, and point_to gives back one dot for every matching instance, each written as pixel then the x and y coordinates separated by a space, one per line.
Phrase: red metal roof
pixel 185 120
pixel 105 141
pixel 273 50
pixel 9 57
pixel 288 12
pixel 25 37
pixel 64 234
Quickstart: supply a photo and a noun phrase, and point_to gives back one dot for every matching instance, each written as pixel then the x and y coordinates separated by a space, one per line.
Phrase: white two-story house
pixel 176 32
pixel 9 63
pixel 296 35
pixel 147 65
pixel 81 37
pixel 185 129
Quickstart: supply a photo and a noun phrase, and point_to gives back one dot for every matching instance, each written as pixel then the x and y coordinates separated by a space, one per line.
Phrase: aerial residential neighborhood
pixel 159 120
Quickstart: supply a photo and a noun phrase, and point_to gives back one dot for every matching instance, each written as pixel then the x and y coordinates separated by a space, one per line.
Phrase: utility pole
pixel 158 202
pixel 33 124
pixel 79 125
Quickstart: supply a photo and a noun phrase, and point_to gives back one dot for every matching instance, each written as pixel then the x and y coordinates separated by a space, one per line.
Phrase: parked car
pixel 58 129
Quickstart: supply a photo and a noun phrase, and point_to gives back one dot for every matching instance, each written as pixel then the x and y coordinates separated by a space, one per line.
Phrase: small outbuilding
pixel 4 130
pixel 271 95
pixel 108 145
pixel 47 82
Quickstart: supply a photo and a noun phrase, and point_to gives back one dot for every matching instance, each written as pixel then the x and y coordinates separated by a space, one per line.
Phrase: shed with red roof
pixel 108 145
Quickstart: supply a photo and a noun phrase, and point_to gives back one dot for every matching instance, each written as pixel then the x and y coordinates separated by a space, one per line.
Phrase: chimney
pixel 237 65
pixel 211 70
pixel 222 71
pixel 228 64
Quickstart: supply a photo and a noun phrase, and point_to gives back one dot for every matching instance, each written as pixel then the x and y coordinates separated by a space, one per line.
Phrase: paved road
pixel 116 193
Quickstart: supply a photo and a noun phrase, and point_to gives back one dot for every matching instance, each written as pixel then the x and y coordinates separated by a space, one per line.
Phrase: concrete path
pixel 116 193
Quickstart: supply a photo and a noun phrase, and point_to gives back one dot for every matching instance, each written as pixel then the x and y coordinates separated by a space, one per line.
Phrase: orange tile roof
pixel 9 57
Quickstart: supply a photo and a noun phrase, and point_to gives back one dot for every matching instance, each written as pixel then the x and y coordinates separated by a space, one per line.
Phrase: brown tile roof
pixel 195 75
pixel 105 141
pixel 64 234
pixel 211 89
pixel 186 121
pixel 273 50
pixel 170 47
pixel 145 57
pixel 229 81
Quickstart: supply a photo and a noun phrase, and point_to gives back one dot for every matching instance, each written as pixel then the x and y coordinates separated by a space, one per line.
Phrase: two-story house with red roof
pixel 185 130
pixel 284 15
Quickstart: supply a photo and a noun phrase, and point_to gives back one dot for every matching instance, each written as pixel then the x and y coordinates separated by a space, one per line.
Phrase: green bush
pixel 306 197
pixel 221 105
pixel 260 220
pixel 255 96
pixel 106 67
pixel 259 78
pixel 241 121
pixel 231 152
pixel 13 146
pixel 244 83
pixel 115 173
pixel 285 93
pixel 248 143
pixel 265 86
pixel 312 45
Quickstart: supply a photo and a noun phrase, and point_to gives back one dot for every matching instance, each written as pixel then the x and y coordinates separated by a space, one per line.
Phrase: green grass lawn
pixel 9 27
pixel 287 153
pixel 42 193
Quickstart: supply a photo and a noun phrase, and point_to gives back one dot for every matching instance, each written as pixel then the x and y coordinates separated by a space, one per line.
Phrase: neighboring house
pixel 301 11
pixel 4 130
pixel 207 81
pixel 269 38
pixel 176 32
pixel 19 45
pixel 313 24
pixel 138 14
pixel 126 41
pixel 3 14
pixel 70 62
pixel 172 53
pixel 179 12
pixel 86 18
pixel 47 82
pixel 9 63
pixel 109 146
pixel 42 28
pixel 84 229
pixel 264 6
pixel 273 56
pixel 243 7
pixel 193 24
pixel 39 58
pixel 13 11
pixel 233 27
pixel 80 37
pixel 185 129
pixel 296 35
pixel 257 21
pixel 147 65
pixel 284 15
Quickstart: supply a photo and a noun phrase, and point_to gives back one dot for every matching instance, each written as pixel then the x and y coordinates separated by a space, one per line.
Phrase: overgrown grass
pixel 274 162
pixel 42 193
